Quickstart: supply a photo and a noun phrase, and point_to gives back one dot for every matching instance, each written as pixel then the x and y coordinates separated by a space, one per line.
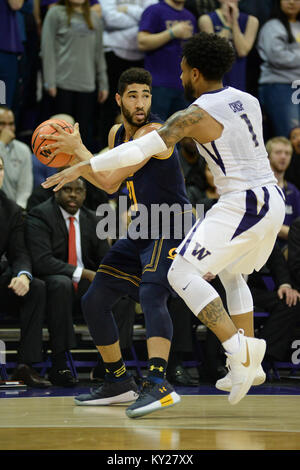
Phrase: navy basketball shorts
pixel 132 262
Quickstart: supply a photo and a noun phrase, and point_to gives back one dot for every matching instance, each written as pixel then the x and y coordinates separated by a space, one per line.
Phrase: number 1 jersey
pixel 238 159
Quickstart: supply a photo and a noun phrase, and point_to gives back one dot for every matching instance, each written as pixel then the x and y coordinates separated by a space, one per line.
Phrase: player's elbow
pixel 110 187
pixel 111 190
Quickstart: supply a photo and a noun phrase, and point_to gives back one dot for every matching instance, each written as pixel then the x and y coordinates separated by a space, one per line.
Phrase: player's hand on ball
pixel 63 141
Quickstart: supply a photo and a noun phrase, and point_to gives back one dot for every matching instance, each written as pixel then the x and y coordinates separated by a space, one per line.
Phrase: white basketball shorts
pixel 238 233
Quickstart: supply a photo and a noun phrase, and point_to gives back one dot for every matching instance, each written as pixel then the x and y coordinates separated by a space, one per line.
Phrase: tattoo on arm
pixel 181 124
pixel 213 314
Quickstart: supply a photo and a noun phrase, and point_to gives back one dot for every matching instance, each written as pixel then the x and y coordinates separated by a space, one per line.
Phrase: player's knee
pixel 181 272
pixel 153 300
pixel 173 274
pixel 92 302
pixel 238 294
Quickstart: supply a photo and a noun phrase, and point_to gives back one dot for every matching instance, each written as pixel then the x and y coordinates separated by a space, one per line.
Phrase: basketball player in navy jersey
pixel 237 235
pixel 137 267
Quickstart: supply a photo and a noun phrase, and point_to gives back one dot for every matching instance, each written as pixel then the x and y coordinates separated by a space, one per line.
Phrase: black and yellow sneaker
pixel 153 397
pixel 109 393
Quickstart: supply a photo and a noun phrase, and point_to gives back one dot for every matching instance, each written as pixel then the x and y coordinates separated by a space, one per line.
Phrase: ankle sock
pixel 157 369
pixel 232 345
pixel 115 371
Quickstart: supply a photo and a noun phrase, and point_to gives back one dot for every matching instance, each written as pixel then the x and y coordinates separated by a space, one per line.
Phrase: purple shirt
pixel 164 62
pixel 236 77
pixel 292 208
pixel 10 36
pixel 292 203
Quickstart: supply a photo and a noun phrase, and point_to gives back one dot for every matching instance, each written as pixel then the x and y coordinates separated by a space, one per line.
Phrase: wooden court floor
pixel 198 422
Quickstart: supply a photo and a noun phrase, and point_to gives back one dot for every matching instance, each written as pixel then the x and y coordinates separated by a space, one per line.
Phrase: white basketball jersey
pixel 238 159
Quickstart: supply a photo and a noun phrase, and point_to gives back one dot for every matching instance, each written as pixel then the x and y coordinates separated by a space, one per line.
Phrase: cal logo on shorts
pixel 172 253
pixel 200 252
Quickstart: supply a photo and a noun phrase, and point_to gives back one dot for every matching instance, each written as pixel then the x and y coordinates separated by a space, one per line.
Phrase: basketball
pixel 44 156
pixel 152 126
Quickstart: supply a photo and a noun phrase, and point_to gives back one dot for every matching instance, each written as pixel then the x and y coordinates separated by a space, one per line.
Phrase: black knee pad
pixel 153 300
pixel 96 306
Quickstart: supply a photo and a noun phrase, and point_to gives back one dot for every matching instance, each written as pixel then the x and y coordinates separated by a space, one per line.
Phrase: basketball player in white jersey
pixel 237 235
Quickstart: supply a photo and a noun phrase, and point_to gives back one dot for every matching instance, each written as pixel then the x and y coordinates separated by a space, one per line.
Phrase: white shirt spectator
pixel 121 20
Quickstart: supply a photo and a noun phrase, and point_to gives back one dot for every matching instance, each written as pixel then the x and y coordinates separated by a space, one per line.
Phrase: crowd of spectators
pixel 65 58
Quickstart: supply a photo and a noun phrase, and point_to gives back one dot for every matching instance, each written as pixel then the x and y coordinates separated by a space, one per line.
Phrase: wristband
pixel 171 33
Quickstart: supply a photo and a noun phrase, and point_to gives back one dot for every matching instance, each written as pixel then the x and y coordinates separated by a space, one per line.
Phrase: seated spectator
pixel 294 252
pixel 282 304
pixel 240 29
pixel 293 172
pixel 162 29
pixel 19 291
pixel 280 153
pixel 18 179
pixel 66 252
pixel 279 48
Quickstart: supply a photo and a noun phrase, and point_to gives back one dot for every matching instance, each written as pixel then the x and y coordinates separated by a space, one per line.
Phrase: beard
pixel 130 117
pixel 189 92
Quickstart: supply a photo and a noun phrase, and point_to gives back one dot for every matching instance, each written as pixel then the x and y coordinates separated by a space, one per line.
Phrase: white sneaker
pixel 243 366
pixel 225 383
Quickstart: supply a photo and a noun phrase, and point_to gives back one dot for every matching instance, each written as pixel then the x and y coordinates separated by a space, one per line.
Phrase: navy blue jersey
pixel 159 181
pixel 131 262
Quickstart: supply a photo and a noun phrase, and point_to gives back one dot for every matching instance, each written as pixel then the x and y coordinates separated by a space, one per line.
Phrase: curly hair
pixel 134 75
pixel 212 55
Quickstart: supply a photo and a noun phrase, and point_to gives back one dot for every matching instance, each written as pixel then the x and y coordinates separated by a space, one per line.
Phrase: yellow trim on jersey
pixel 115 133
pixel 150 265
pixel 154 268
pixel 164 158
pixel 103 268
pixel 124 278
pixel 171 150
pixel 132 196
pixel 118 271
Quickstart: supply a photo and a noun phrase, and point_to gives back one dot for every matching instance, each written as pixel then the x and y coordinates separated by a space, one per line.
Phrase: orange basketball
pixel 44 156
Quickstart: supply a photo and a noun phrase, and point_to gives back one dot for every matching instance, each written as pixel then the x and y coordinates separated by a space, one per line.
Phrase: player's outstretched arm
pixel 192 122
